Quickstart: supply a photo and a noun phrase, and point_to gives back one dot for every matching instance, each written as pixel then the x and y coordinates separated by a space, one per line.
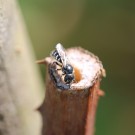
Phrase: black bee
pixel 61 60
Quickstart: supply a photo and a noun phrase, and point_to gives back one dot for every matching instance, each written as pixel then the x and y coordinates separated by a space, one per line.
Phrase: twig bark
pixel 20 84
pixel 91 108
pixel 72 112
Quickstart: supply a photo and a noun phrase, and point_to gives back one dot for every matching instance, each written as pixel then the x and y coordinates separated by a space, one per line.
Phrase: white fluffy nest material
pixel 88 64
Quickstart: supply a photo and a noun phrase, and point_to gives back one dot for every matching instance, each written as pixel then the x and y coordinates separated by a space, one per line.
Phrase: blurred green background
pixel 106 28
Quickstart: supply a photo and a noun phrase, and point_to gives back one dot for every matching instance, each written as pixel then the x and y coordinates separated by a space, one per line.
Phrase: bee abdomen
pixel 56 55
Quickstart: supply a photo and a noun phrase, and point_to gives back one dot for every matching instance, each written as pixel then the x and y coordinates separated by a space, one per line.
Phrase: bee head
pixel 68 69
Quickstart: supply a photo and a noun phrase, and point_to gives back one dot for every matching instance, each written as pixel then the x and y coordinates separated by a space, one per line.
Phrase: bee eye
pixel 68 69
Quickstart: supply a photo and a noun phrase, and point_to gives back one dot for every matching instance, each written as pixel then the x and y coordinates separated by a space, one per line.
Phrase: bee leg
pixel 58 69
pixel 74 81
pixel 62 75
pixel 58 64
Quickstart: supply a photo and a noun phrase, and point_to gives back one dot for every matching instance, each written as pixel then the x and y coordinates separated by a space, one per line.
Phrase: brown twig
pixel 72 112
pixel 91 110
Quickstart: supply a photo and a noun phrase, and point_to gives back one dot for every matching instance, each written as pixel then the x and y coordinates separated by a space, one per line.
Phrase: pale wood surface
pixel 20 84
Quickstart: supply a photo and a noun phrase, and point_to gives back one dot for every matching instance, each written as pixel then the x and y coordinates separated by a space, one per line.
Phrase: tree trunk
pixel 20 85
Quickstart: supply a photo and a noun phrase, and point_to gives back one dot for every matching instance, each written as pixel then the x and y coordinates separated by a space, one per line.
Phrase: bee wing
pixel 62 53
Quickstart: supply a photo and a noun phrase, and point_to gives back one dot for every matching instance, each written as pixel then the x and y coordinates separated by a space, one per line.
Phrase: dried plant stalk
pixel 72 112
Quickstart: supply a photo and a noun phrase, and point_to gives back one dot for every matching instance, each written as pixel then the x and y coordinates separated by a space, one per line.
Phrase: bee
pixel 62 61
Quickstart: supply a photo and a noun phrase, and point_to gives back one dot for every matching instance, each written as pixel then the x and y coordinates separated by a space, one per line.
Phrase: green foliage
pixel 106 28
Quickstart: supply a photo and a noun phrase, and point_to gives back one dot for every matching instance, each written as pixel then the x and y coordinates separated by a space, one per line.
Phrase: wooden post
pixel 20 84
